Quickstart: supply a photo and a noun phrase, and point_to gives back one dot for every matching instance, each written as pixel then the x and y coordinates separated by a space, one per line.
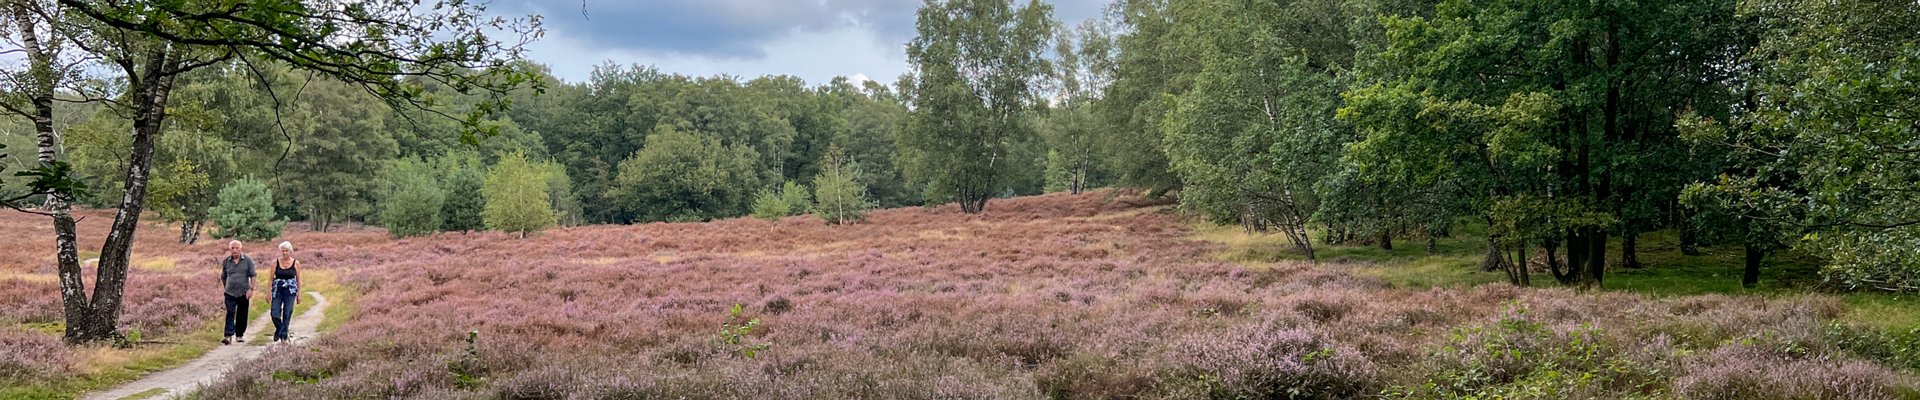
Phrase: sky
pixel 815 40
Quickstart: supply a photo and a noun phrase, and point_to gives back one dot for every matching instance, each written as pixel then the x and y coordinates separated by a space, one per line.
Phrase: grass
pixel 1455 263
pixel 1665 270
pixel 341 298
pixel 156 392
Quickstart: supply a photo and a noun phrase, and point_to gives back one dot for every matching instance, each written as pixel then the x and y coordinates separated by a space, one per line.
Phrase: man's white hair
pixel 232 243
pixel 288 246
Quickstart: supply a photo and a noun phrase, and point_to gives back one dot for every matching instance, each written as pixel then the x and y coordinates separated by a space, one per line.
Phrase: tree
pixel 1256 135
pixel 681 177
pixel 412 201
pixel 148 45
pixel 1581 110
pixel 974 69
pixel 566 206
pixel 1071 128
pixel 517 198
pixel 245 212
pixel 463 176
pixel 1820 153
pixel 874 118
pixel 325 175
pixel 769 205
pixel 798 198
pixel 841 197
pixel 1147 69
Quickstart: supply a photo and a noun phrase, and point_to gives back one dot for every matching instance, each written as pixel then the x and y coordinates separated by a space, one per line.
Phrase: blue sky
pixel 815 40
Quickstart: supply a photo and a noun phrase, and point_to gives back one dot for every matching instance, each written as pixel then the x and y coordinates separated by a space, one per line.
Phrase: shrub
pixel 1747 372
pixel 517 199
pixel 31 355
pixel 245 212
pixel 1517 356
pixel 735 334
pixel 842 199
pixel 463 179
pixel 797 197
pixel 412 202
pixel 769 205
pixel 679 176
pixel 1895 348
pixel 1264 362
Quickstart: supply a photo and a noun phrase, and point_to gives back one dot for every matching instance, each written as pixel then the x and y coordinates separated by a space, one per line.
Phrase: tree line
pixel 1561 126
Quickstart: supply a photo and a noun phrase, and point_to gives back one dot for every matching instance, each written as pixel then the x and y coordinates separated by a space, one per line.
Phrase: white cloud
pixel 816 57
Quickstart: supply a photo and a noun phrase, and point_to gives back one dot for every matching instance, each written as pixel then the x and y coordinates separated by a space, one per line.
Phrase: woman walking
pixel 286 291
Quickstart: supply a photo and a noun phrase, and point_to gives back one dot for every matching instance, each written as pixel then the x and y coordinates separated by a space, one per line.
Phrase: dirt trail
pixel 216 363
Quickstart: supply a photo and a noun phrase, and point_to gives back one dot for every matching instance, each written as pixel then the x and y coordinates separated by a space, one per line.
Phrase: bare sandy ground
pixel 216 363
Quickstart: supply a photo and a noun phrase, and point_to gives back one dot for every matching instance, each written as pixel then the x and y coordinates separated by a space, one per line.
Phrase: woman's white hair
pixel 288 246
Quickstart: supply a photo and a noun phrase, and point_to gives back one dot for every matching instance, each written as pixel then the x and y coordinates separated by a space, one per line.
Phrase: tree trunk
pixel 1751 277
pixel 149 106
pixel 1433 244
pixel 1596 257
pixel 1495 259
pixel 1603 183
pixel 1629 255
pixel 1576 258
pixel 39 89
pixel 1689 238
pixel 1522 264
pixel 1386 239
pixel 1552 247
pixel 187 230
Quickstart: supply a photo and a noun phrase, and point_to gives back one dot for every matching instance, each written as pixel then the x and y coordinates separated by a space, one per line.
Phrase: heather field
pixel 1100 295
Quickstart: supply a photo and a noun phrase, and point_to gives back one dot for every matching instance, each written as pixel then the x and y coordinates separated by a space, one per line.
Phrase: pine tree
pixel 797 197
pixel 412 203
pixel 464 202
pixel 769 205
pixel 840 198
pixel 246 212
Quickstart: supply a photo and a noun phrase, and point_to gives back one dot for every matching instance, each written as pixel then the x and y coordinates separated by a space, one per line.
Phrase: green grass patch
pixel 1455 261
pixel 342 299
pixel 1665 271
pixel 155 392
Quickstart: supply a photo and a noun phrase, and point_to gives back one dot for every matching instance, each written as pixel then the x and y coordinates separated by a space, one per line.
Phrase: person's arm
pixel 251 276
pixel 296 281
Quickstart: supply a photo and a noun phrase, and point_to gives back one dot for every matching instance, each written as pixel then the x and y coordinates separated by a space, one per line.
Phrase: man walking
pixel 236 274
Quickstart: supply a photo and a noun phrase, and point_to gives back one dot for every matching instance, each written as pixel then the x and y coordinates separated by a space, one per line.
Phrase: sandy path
pixel 215 363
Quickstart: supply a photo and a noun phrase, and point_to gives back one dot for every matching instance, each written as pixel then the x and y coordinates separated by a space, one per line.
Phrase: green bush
pixel 769 205
pixel 681 176
pixel 462 177
pixel 841 198
pixel 797 197
pixel 517 200
pixel 1519 357
pixel 245 212
pixel 412 202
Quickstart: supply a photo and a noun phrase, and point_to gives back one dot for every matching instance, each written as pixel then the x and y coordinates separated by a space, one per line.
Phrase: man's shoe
pixel 241 339
pixel 226 340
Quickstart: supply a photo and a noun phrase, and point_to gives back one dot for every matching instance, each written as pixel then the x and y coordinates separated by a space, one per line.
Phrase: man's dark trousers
pixel 236 315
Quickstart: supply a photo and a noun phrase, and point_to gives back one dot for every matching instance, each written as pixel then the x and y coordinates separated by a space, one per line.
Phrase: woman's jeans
pixel 284 293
